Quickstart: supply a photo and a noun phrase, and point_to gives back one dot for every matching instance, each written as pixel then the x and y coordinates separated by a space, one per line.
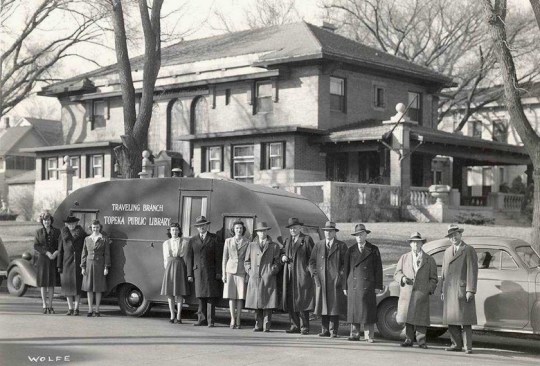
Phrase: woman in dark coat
pixel 175 284
pixel 95 264
pixel 262 263
pixel 46 246
pixel 69 262
pixel 363 274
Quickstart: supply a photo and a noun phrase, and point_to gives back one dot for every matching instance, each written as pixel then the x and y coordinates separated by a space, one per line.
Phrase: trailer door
pixel 192 205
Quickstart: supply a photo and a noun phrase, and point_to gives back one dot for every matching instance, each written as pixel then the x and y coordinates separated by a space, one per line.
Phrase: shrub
pixel 4 216
pixel 473 218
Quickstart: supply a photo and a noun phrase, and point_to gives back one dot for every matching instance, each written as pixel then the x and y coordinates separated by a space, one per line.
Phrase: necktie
pixel 418 261
pixel 328 245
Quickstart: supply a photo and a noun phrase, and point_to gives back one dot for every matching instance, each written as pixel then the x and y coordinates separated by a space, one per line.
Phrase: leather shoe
pixel 304 332
pixel 257 329
pixel 211 325
pixel 370 340
pixel 267 330
pixel 423 346
pixel 200 324
pixel 334 335
pixel 468 351
pixel 406 343
pixel 69 312
pixel 76 312
pixel 324 334
pixel 292 330
pixel 353 339
pixel 453 349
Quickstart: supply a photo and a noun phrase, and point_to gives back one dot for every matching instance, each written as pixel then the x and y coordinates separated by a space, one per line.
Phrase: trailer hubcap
pixel 134 298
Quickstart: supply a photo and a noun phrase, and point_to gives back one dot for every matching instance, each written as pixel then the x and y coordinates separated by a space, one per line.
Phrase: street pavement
pixel 29 337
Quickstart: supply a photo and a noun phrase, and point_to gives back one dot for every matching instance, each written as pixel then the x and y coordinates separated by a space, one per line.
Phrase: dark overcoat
pixel 363 273
pixel 459 276
pixel 94 258
pixel 297 280
pixel 413 304
pixel 327 269
pixel 46 274
pixel 262 266
pixel 69 260
pixel 206 259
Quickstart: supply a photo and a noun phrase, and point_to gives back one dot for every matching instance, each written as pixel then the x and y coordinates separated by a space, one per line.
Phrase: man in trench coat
pixel 205 255
pixel 363 276
pixel 459 280
pixel 416 272
pixel 298 296
pixel 262 263
pixel 326 265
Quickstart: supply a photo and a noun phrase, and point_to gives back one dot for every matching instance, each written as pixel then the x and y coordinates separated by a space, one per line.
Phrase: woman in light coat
pixel 175 282
pixel 262 263
pixel 234 274
pixel 69 262
pixel 95 264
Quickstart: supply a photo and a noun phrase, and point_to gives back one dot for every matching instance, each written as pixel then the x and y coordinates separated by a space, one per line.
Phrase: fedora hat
pixel 359 228
pixel 453 228
pixel 71 219
pixel 261 226
pixel 294 221
pixel 330 225
pixel 200 221
pixel 417 237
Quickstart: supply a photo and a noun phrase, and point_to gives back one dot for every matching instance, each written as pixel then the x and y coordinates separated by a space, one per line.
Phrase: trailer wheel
pixel 433 332
pixel 15 282
pixel 386 319
pixel 132 301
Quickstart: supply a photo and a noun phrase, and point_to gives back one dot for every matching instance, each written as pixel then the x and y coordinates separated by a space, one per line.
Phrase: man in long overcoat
pixel 416 272
pixel 363 276
pixel 262 263
pixel 298 295
pixel 459 280
pixel 205 254
pixel 326 265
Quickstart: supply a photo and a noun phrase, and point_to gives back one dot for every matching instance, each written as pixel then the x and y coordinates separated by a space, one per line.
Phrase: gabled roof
pixel 11 137
pixel 274 45
pixel 49 129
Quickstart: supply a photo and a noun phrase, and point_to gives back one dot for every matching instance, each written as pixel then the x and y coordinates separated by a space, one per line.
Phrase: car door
pixel 502 292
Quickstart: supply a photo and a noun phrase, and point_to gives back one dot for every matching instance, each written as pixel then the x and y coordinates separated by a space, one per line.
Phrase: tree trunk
pixel 495 17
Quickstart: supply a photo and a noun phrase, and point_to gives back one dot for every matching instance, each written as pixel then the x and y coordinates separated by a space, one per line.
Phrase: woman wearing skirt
pixel 234 274
pixel 175 284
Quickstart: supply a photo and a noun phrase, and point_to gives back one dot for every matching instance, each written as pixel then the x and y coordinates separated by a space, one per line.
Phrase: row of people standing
pixel 76 261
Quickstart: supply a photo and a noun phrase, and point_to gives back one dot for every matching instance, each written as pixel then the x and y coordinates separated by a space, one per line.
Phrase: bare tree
pixel 30 54
pixel 135 138
pixel 445 36
pixel 494 15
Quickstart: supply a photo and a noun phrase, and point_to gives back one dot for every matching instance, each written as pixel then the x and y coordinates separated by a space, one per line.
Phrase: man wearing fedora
pixel 459 280
pixel 262 263
pixel 326 265
pixel 416 272
pixel 362 277
pixel 206 256
pixel 298 296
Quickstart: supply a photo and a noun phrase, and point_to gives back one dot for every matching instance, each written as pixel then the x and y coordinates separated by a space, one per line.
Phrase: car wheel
pixel 386 319
pixel 15 282
pixel 433 333
pixel 132 301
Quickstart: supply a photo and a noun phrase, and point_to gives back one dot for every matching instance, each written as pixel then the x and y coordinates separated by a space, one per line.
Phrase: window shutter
pixel 264 156
pixel 204 165
pixel 107 109
pixel 284 157
pixel 275 90
pixel 249 94
pixel 222 158
pixel 345 94
pixel 213 90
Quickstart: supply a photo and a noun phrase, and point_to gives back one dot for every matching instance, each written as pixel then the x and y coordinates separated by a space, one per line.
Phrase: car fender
pixel 26 269
pixel 535 317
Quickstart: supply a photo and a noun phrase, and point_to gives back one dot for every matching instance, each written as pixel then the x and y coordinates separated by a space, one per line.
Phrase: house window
pixel 214 159
pixel 378 97
pixel 20 163
pixel 475 129
pixel 337 94
pixel 243 163
pixel 264 103
pixel 227 96
pixel 75 162
pixel 99 114
pixel 52 168
pixel 96 166
pixel 500 131
pixel 415 107
pixel 273 155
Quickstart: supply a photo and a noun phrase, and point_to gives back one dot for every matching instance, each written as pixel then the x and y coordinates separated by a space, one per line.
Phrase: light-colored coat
pixel 262 267
pixel 94 258
pixel 363 274
pixel 459 276
pixel 233 257
pixel 327 269
pixel 413 305
pixel 297 280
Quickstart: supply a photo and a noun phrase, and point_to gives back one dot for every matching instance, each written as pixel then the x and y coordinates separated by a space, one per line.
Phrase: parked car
pixel 508 291
pixel 4 261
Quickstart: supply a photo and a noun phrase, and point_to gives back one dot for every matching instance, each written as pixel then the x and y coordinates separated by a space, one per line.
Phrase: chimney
pixel 329 27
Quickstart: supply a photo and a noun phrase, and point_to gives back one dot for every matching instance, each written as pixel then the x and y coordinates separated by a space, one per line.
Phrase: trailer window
pixel 85 218
pixel 192 207
pixel 227 226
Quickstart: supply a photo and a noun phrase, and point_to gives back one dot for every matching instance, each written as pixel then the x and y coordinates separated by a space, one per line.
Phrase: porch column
pixel 400 152
pixel 529 172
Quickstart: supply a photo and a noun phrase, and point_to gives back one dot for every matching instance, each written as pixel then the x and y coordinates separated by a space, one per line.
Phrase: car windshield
pixel 529 256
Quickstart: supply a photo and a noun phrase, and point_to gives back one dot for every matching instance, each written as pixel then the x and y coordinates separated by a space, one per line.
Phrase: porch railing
pixel 420 196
